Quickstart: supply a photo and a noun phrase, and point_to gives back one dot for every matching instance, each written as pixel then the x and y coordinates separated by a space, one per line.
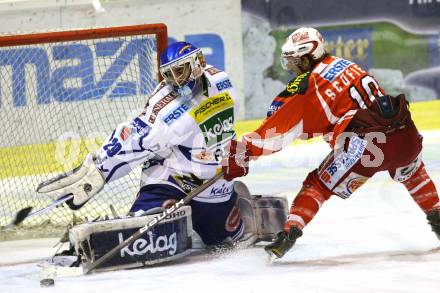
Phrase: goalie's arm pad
pixel 83 182
pixel 133 143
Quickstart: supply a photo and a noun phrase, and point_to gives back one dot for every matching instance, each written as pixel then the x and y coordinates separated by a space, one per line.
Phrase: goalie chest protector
pixel 169 240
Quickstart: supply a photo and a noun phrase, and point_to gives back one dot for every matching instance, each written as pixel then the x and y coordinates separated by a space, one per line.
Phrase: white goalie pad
pixel 169 240
pixel 263 215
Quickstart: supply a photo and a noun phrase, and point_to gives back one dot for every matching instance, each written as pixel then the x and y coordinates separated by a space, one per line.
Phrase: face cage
pixel 173 73
pixel 289 60
pixel 170 75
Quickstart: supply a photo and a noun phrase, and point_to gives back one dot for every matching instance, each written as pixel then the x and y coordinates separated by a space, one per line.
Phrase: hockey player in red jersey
pixel 368 131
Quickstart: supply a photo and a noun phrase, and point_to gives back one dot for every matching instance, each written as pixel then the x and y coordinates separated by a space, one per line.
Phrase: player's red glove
pixel 236 161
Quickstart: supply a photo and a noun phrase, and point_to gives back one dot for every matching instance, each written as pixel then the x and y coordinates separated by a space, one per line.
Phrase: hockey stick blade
pixel 26 212
pixel 151 224
pixel 20 216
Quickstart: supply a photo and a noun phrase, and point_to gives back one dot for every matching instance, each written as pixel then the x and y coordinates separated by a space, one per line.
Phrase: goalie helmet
pixel 303 41
pixel 181 64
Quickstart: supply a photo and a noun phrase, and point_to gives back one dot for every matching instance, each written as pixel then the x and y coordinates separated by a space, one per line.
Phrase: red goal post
pixel 61 94
pixel 158 29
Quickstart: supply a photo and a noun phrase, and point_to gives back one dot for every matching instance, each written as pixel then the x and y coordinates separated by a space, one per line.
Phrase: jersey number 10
pixel 365 96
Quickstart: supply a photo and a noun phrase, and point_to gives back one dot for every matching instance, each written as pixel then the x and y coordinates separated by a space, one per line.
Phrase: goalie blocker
pixel 171 239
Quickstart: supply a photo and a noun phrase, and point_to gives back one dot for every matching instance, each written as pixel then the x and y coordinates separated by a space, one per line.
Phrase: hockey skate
pixel 434 220
pixel 283 242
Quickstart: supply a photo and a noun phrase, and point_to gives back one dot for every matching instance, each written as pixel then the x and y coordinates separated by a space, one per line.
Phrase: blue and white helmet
pixel 181 64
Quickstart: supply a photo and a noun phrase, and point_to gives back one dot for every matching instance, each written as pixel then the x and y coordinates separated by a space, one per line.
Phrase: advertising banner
pixel 396 41
pixel 213 26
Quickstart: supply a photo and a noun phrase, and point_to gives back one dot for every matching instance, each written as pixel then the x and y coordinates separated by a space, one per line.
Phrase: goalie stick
pixel 26 212
pixel 150 224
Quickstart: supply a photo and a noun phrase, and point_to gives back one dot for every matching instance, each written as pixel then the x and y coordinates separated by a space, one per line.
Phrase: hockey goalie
pixel 179 139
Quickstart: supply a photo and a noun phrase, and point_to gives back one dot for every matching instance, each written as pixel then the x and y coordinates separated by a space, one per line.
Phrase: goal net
pixel 61 95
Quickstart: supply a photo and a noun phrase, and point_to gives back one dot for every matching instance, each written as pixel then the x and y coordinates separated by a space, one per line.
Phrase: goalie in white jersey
pixel 179 139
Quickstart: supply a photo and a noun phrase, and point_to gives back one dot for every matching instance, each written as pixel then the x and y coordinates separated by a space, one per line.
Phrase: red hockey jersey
pixel 320 102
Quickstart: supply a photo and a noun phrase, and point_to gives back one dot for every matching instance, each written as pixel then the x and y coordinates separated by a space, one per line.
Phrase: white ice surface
pixel 376 241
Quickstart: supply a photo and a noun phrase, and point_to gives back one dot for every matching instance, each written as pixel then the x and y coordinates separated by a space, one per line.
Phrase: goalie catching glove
pixel 83 182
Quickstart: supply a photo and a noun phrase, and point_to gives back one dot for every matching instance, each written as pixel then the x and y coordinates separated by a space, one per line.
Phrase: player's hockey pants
pixel 342 172
pixel 214 222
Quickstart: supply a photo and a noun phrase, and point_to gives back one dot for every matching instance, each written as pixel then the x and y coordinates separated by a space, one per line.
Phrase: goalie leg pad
pixel 263 216
pixel 168 240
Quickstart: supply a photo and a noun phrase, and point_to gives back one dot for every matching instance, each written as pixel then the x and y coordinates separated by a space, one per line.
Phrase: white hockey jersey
pixel 179 141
